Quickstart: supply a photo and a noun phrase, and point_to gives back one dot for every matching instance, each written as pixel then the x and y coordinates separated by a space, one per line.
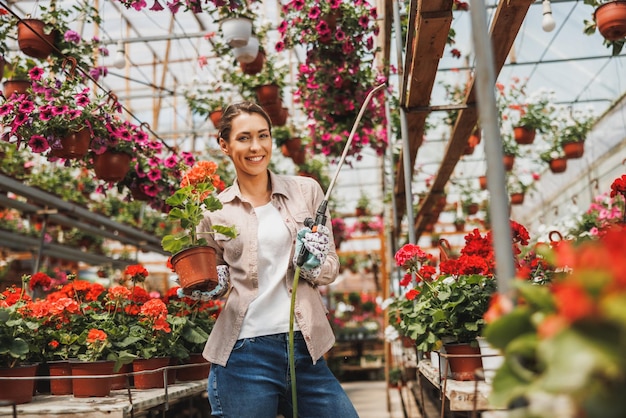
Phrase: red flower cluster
pixel 136 272
pixel 96 335
pixel 154 312
pixel 41 280
pixel 619 186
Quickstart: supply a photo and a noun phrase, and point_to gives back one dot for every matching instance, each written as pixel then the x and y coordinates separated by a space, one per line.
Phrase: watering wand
pixel 320 219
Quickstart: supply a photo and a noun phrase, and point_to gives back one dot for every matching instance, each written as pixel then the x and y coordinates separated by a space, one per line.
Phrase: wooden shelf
pixel 118 405
pixel 458 395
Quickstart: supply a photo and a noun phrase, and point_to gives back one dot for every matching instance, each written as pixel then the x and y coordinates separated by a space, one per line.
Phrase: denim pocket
pixel 239 344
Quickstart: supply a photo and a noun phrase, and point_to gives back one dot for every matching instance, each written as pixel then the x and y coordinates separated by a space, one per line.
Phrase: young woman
pixel 248 346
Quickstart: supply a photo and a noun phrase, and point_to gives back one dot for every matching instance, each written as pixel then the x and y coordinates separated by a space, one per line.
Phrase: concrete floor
pixel 370 400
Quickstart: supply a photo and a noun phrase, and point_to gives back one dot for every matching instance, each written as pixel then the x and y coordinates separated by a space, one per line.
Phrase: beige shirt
pixel 296 198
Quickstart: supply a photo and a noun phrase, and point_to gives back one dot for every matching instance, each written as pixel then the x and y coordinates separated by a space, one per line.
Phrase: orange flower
pixel 572 301
pixel 137 272
pixel 95 335
pixel 498 306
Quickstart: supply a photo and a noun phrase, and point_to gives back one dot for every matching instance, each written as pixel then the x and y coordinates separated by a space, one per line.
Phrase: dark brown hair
pixel 235 109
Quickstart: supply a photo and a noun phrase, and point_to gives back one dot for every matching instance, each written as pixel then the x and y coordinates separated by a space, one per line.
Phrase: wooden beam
pixel 429 24
pixel 428 29
pixel 506 23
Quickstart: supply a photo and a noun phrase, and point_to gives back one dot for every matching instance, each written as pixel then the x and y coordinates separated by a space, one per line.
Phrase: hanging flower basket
pixel 517 198
pixel 74 146
pixel 611 20
pixel 236 31
pixel 247 53
pixel 196 268
pixel 574 149
pixel 254 67
pixel 482 181
pixel 17 87
pixel 32 40
pixel 558 165
pixel 472 208
pixel 216 117
pixel 269 93
pixel 508 161
pixel 280 118
pixel 524 135
pixel 111 165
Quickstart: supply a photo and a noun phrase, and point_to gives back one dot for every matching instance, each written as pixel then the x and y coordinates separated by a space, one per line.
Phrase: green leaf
pixel 195 335
pixel 18 348
pixel 212 203
pixel 229 231
pixel 500 332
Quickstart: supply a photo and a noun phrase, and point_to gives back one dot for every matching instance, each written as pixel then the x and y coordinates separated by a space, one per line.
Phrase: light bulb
pixel 120 56
pixel 547 23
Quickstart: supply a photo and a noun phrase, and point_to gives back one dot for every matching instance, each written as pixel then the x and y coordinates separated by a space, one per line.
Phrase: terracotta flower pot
pixel 255 66
pixel 32 40
pixel 124 379
pixel 472 208
pixel 482 181
pixel 611 20
pixel 199 371
pixel 280 119
pixel 17 87
pixel 524 135
pixel 463 361
pixel 517 198
pixel 149 380
pixel 60 369
pixel 558 165
pixel 73 146
pixel 84 387
pixel 111 165
pixel 196 268
pixel 508 161
pixel 574 149
pixel 18 391
pixel 269 93
pixel 216 117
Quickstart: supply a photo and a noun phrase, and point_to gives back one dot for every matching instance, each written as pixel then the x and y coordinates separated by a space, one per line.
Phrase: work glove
pixel 223 283
pixel 317 245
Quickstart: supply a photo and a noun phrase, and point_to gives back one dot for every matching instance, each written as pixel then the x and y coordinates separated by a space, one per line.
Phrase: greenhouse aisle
pixel 369 398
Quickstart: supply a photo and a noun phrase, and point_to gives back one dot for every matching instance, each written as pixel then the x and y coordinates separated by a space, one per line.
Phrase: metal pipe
pixel 12 185
pixel 73 223
pixel 406 163
pixel 19 242
pixel 488 115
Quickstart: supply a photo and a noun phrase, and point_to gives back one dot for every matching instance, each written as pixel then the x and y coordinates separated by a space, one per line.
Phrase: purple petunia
pixel 72 36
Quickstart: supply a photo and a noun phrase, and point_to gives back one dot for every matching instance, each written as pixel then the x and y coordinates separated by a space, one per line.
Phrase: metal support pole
pixel 408 170
pixel 488 115
pixel 42 238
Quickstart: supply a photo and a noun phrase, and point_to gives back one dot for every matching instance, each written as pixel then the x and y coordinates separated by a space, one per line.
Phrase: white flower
pixel 391 334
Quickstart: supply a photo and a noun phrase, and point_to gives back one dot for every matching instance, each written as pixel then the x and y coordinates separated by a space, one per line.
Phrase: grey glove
pixel 223 283
pixel 317 245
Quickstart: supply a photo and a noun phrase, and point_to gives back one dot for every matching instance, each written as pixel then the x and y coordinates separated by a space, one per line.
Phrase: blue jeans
pixel 256 382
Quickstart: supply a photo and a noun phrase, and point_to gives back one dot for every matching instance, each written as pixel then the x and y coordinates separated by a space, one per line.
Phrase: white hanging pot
pixel 236 31
pixel 247 54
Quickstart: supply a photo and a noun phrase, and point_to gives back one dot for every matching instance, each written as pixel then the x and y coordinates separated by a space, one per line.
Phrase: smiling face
pixel 249 144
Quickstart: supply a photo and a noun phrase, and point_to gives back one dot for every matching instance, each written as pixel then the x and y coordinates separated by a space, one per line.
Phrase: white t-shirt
pixel 269 312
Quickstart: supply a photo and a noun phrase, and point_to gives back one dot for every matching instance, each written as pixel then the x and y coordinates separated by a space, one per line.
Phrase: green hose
pixel 292 359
